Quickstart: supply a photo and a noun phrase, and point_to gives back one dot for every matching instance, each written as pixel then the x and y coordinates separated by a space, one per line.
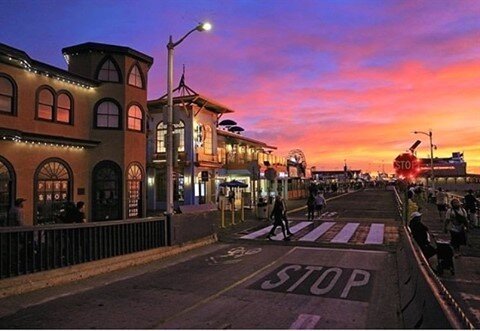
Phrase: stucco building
pixel 74 135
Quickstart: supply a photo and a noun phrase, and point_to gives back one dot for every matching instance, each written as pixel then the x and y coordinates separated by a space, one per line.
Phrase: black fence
pixel 25 250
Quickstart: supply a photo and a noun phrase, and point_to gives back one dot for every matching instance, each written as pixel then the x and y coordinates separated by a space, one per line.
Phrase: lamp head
pixel 206 26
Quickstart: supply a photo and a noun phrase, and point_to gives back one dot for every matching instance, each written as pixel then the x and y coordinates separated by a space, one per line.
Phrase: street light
pixel 432 174
pixel 169 139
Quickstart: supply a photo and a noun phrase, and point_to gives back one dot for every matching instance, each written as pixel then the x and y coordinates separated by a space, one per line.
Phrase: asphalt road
pixel 239 285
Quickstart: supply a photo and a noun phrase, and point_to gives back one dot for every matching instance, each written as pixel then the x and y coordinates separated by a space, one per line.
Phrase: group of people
pixel 456 219
pixel 69 213
pixel 315 204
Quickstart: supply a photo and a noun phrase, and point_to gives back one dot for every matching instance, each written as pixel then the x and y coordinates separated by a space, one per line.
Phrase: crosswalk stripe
pixel 346 233
pixel 293 229
pixel 257 234
pixel 317 232
pixel 375 235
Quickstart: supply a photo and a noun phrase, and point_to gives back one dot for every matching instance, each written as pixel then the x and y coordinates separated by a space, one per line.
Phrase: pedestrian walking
pixel 277 215
pixel 285 219
pixel 320 203
pixel 456 221
pixel 16 215
pixel 442 204
pixel 311 207
pixel 471 204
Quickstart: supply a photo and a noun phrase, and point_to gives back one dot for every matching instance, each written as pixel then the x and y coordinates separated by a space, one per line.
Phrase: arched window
pixel 134 187
pixel 161 132
pixel 135 118
pixel 107 192
pixel 46 103
pixel 135 77
pixel 7 95
pixel 208 140
pixel 53 183
pixel 109 71
pixel 64 108
pixel 107 115
pixel 180 130
pixel 7 185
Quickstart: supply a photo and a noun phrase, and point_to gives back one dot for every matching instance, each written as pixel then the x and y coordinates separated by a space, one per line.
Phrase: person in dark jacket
pixel 471 204
pixel 277 215
pixel 420 234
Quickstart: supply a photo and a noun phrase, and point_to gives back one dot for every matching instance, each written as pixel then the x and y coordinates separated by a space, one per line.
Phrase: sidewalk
pixel 431 219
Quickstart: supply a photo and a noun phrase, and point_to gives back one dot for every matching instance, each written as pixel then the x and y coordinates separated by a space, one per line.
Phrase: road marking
pixel 219 293
pixel 346 233
pixel 293 229
pixel 257 234
pixel 305 321
pixel 375 235
pixel 317 232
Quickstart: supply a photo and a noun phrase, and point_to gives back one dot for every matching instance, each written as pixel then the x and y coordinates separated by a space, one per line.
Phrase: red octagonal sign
pixel 406 165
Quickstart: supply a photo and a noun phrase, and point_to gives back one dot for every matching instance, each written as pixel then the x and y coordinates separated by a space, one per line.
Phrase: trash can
pixel 262 210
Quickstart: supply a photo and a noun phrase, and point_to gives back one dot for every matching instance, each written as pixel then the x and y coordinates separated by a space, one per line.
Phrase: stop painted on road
pixel 315 280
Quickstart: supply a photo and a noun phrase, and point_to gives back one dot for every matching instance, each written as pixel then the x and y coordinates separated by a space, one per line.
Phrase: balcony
pixel 207 160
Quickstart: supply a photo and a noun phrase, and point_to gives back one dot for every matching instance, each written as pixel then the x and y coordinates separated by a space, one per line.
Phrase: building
pixel 449 172
pixel 71 135
pixel 208 154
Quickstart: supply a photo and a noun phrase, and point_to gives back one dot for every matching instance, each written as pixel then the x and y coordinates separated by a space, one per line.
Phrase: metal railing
pixel 449 305
pixel 25 250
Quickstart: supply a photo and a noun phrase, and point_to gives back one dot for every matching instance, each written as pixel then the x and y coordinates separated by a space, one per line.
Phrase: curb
pixel 27 283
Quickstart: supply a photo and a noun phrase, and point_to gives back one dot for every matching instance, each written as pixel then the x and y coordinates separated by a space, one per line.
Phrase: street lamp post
pixel 169 139
pixel 432 174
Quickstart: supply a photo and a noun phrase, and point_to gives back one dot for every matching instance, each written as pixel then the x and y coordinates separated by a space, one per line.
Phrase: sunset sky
pixel 338 79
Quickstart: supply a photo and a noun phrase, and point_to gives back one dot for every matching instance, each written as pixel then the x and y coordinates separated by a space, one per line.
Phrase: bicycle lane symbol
pixel 234 255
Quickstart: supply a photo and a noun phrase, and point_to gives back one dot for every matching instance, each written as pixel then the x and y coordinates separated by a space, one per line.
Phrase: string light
pixel 28 67
pixel 39 143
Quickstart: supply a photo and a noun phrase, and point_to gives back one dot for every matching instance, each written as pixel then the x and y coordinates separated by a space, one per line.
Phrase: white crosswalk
pixel 344 234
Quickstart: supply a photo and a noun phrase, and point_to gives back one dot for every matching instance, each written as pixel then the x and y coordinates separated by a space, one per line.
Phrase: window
pixel 135 77
pixel 134 187
pixel 109 71
pixel 64 108
pixel 53 186
pixel 108 115
pixel 208 140
pixel 161 132
pixel 46 103
pixel 7 184
pixel 135 118
pixel 107 192
pixel 7 96
pixel 180 130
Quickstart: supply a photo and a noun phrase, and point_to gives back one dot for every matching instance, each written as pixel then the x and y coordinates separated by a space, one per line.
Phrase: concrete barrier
pixel 193 224
pixel 424 301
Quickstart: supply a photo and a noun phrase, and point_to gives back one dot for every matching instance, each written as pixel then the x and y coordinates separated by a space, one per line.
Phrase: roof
pixel 21 59
pixel 240 137
pixel 91 46
pixel 188 95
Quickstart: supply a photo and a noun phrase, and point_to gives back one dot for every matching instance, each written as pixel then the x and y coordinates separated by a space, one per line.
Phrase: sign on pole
pixel 406 166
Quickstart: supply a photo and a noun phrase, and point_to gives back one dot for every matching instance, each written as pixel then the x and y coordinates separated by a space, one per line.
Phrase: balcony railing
pixel 25 250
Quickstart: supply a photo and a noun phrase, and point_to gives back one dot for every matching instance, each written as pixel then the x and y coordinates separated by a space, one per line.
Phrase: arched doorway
pixel 134 191
pixel 107 192
pixel 53 183
pixel 7 187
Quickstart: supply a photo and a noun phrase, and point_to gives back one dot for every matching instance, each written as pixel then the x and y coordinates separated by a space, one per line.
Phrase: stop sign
pixel 406 165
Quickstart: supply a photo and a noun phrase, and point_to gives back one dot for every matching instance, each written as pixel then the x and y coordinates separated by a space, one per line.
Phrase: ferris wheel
pixel 297 156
